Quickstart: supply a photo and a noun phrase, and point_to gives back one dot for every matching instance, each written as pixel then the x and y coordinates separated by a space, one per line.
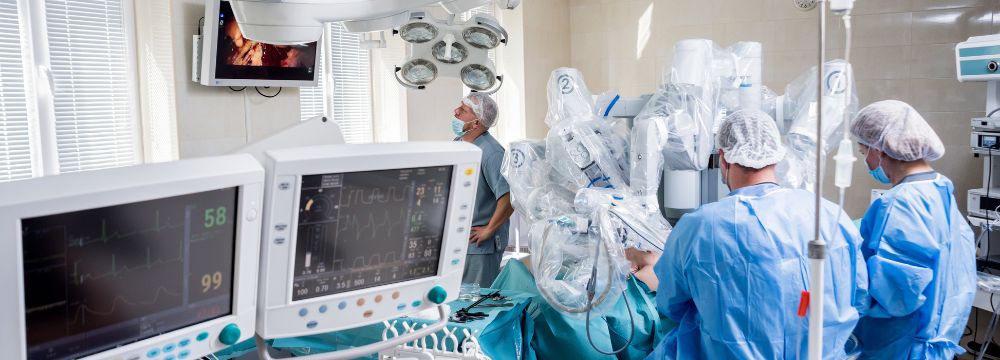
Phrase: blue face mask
pixel 879 174
pixel 457 127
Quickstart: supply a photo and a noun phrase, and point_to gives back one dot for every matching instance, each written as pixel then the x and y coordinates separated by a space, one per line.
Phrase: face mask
pixel 879 174
pixel 457 126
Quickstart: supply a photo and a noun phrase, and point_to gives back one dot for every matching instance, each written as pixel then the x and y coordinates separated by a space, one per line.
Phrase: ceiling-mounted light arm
pixel 404 83
pixel 497 87
pixel 492 24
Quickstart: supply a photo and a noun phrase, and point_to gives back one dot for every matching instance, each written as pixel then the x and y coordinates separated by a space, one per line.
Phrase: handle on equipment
pixel 352 353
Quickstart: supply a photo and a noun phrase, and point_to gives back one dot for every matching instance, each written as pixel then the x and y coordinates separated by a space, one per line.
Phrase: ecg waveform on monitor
pixel 82 310
pixel 363 196
pixel 372 226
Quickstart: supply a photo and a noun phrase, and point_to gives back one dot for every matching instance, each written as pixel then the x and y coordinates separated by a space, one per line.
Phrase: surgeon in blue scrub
pixel 733 271
pixel 488 237
pixel 919 249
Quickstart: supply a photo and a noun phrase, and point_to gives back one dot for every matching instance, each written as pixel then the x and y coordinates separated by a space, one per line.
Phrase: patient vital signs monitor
pixel 147 262
pixel 356 234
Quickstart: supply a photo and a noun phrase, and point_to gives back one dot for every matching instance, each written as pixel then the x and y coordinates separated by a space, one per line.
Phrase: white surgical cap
pixel 750 138
pixel 483 106
pixel 897 129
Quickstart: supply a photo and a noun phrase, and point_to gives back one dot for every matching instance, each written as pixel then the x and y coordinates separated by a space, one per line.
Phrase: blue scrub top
pixel 492 186
pixel 733 271
pixel 921 261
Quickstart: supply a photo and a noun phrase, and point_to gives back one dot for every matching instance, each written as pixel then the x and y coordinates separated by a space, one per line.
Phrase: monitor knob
pixel 230 334
pixel 437 295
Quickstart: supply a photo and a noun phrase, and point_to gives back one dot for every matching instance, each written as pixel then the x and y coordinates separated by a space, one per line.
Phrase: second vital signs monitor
pixel 357 234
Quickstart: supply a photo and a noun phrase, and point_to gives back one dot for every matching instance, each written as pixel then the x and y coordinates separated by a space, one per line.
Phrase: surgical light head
pixel 750 138
pixel 897 129
pixel 448 48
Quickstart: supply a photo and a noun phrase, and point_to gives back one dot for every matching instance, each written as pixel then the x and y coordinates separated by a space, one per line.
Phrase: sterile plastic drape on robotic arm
pixel 798 169
pixel 573 187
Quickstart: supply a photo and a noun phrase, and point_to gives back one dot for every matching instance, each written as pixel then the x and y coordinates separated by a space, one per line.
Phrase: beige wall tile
pixel 950 26
pixel 736 11
pixel 882 29
pixel 784 66
pixel 933 61
pixel 958 164
pixel 884 62
pixel 881 6
pixel 922 5
pixel 800 34
pixel 762 32
pixel 870 91
pixel 682 12
pixel 947 95
pixel 783 10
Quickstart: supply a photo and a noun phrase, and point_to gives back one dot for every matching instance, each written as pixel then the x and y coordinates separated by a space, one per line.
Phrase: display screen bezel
pixel 238 192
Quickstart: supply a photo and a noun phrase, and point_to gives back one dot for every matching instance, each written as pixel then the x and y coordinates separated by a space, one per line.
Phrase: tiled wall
pixel 903 49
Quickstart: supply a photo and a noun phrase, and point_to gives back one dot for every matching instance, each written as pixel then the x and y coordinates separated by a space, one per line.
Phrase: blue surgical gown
pixel 733 272
pixel 921 267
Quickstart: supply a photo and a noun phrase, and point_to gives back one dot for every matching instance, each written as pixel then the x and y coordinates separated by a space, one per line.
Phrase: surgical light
pixel 449 53
pixel 419 72
pixel 478 77
pixel 418 32
pixel 481 37
pixel 451 48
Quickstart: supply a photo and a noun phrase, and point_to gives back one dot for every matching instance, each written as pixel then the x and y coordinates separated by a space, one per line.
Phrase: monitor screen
pixel 359 230
pixel 240 58
pixel 101 278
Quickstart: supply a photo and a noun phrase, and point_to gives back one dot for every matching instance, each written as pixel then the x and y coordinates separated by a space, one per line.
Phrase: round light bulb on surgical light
pixel 458 52
pixel 419 71
pixel 481 37
pixel 418 32
pixel 478 77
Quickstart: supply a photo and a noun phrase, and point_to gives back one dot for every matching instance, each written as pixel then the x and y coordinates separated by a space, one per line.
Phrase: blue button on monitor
pixel 168 348
pixel 311 324
pixel 183 354
pixel 184 343
pixel 153 353
pixel 417 303
pixel 171 357
pixel 303 312
pixel 322 309
pixel 342 305
pixel 400 307
pixel 202 336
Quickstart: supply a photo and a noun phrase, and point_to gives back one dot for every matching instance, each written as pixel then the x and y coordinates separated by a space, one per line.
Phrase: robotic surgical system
pixel 146 262
pixel 357 234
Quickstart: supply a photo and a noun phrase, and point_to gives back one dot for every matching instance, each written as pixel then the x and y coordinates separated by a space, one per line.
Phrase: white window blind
pixel 93 97
pixel 348 98
pixel 311 99
pixel 15 148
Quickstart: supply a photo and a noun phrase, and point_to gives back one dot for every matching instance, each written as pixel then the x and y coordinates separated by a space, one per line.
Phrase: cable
pixel 992 112
pixel 267 87
pixel 591 285
pixel 201 24
pixel 237 90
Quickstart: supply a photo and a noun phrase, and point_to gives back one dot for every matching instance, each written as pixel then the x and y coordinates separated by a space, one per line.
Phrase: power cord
pixel 237 90
pixel 267 96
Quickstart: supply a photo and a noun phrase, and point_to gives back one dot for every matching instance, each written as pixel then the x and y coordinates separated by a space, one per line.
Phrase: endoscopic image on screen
pixel 241 58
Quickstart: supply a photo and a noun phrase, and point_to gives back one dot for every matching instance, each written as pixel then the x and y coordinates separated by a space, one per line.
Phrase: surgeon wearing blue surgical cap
pixel 919 249
pixel 733 271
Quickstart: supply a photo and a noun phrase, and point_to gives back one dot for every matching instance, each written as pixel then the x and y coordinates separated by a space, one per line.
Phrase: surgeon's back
pixel 732 274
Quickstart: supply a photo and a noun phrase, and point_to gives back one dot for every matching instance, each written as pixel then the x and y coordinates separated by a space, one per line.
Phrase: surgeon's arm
pixel 900 268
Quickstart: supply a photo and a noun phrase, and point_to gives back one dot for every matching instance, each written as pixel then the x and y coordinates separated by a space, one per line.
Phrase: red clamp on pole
pixel 803 303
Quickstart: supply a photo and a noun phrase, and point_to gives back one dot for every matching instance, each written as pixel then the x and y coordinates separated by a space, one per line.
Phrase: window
pixel 344 88
pixel 89 121
pixel 15 146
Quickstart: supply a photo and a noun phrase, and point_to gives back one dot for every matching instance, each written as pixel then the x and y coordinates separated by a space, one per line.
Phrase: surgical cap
pixel 483 106
pixel 750 138
pixel 897 129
